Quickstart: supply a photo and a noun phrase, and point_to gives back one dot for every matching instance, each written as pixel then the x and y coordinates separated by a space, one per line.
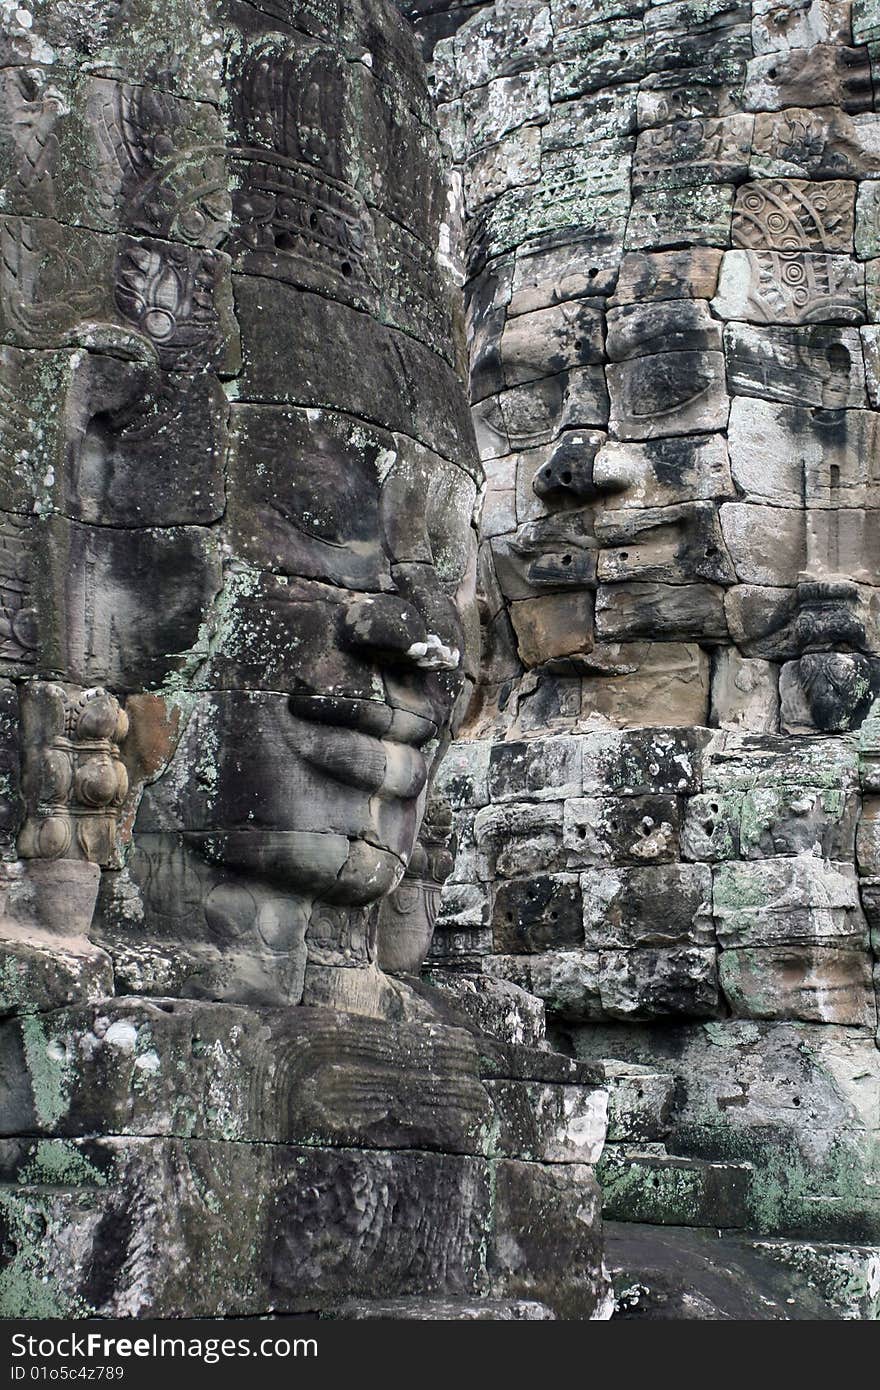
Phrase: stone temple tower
pixel 666 790
pixel 439 659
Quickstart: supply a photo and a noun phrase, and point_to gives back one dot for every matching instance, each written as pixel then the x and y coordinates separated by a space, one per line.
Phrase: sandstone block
pixel 547 341
pixel 520 838
pixel 668 394
pixel 665 217
pixel 640 1101
pixel 531 1199
pixel 791 287
pixel 538 914
pixel 644 762
pixel 743 762
pixel 745 693
pixel 641 330
pixel 835 455
pixel 620 830
pixel 601 116
pixel 667 545
pixel 492 49
pixel 777 29
pixel 463 780
pixel 711 829
pixel 680 37
pixel 541 770
pixel 790 214
pixel 685 274
pixel 567 981
pixel 685 154
pixel 662 472
pixel 660 683
pixel 597 57
pixel 650 906
pixel 867 234
pixel 549 1124
pixel 821 366
pixel 687 94
pixel 871 349
pixel 821 74
pixel 798 820
pixel 816 142
pixel 767 545
pixel 511 162
pixel 801 900
pixel 502 1010
pixel 628 612
pixel 545 273
pixel 555 625
pixel 648 983
pixel 868 837
pixel 597 210
pixel 815 984
pixel 503 104
pixel 642 1182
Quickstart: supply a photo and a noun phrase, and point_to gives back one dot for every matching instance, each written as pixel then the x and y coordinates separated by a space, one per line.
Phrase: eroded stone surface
pixel 237 515
pixel 238 628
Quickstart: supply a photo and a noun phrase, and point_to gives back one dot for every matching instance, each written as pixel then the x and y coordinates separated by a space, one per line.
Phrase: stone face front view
pixel 669 245
pixel 239 627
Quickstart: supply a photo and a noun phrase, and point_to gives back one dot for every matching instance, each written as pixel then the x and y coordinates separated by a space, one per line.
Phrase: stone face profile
pixel 289 576
pixel 664 790
pixel 671 310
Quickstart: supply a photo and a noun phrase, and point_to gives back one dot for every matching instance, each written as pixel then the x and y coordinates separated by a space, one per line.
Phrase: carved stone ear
pixel 74 781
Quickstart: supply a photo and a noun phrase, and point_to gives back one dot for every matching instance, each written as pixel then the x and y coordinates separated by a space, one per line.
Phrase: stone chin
pixel 319 865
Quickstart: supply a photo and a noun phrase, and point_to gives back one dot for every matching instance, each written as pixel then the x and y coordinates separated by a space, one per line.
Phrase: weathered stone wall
pixel 238 629
pixel 688 901
pixel 665 813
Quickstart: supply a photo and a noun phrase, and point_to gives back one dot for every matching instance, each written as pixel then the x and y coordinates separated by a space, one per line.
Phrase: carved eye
pixel 318 510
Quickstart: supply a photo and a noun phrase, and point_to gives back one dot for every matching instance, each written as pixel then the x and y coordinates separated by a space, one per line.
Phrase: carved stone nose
pixel 383 624
pixel 569 470
pixel 388 627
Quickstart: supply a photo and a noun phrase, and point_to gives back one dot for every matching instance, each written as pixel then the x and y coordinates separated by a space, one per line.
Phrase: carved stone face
pixel 673 366
pixel 251 508
pixel 339 652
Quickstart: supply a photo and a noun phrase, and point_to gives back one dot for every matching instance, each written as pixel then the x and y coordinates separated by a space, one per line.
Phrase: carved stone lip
pixel 374 717
pixel 380 767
